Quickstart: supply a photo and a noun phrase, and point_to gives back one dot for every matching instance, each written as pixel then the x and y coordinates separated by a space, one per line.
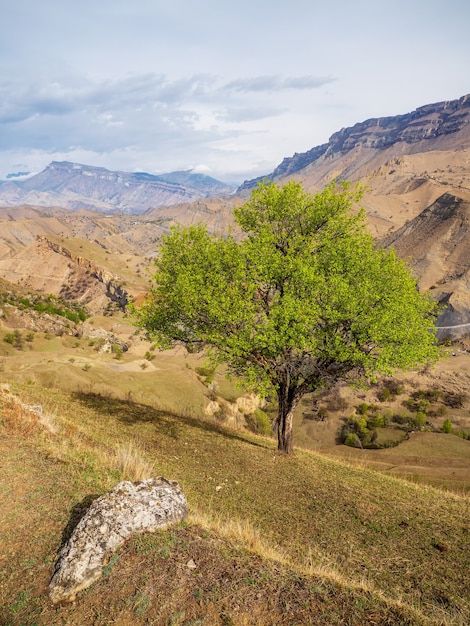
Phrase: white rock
pixel 129 509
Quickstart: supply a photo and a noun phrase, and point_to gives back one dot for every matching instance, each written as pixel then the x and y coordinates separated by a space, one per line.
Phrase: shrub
pixel 420 419
pixel 447 426
pixel 353 441
pixel 15 339
pixel 390 390
pixel 377 421
pixel 455 400
pixel 259 422
pixel 117 351
pixel 322 413
pixel 207 373
pixel 384 395
pixel 362 408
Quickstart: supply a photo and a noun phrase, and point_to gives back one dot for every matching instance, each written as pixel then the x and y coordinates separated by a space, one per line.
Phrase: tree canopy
pixel 301 300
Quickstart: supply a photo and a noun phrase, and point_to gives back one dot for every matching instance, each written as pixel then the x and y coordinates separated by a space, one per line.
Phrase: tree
pixel 447 426
pixel 301 300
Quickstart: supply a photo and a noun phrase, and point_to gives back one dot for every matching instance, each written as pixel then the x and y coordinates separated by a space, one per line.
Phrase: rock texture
pixel 436 245
pixel 128 509
pixel 76 186
pixel 430 124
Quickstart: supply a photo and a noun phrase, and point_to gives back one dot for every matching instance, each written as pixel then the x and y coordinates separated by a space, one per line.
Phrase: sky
pixel 227 89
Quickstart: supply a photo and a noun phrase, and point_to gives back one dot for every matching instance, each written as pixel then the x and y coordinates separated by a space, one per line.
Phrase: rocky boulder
pixel 129 509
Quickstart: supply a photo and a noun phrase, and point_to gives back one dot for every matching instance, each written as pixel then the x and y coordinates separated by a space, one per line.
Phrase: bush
pixel 362 408
pixel 447 426
pixel 390 390
pixel 377 421
pixel 15 339
pixel 322 414
pixel 207 373
pixel 259 422
pixel 353 441
pixel 455 400
pixel 384 395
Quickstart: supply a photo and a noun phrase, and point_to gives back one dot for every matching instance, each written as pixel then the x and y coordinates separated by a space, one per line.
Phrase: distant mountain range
pixel 75 186
pixel 415 167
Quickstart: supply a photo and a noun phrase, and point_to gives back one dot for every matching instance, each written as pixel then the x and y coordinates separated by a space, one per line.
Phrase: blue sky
pixel 229 89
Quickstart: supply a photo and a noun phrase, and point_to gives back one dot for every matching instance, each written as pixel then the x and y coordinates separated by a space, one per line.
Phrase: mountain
pixel 436 244
pixel 75 186
pixel 353 151
pixel 415 168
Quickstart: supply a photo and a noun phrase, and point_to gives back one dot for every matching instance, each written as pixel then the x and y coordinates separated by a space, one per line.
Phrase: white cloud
pixel 158 86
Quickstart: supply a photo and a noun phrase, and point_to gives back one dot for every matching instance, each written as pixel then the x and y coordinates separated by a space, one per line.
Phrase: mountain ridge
pixel 428 122
pixel 75 186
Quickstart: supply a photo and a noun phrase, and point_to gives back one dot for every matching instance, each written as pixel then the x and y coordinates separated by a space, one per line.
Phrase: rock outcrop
pixel 114 289
pixel 428 124
pixel 436 245
pixel 129 509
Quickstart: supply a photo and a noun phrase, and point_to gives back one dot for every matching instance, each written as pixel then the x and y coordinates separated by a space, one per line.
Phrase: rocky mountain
pixel 440 126
pixel 436 244
pixel 75 186
pixel 416 168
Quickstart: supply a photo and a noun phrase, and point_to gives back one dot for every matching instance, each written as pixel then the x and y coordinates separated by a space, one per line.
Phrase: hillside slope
pixel 273 539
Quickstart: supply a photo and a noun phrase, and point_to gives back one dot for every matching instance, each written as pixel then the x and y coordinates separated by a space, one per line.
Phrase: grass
pixel 275 540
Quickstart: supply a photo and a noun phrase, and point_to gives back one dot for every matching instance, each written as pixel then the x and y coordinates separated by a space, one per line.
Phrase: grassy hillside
pixel 270 539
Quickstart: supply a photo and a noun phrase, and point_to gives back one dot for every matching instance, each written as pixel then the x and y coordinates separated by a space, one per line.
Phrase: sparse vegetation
pixel 447 426
pixel 295 306
pixel 244 552
pixel 45 304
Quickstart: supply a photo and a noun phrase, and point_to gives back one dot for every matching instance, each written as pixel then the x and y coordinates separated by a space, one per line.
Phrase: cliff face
pixel 114 289
pixel 436 245
pixel 424 126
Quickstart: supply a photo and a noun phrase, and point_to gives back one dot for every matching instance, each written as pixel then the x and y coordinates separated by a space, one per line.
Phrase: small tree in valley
pixel 302 300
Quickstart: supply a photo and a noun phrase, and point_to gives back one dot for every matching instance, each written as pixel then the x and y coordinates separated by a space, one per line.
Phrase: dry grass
pixel 366 539
pixel 131 463
pixel 16 417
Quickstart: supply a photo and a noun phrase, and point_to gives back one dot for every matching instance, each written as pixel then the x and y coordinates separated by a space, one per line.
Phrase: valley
pixel 378 488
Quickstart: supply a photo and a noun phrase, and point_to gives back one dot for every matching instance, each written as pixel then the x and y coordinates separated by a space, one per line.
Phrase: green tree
pixel 447 426
pixel 301 300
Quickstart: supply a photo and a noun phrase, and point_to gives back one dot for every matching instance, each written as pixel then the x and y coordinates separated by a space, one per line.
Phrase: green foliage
pixel 362 408
pixel 390 391
pixel 259 422
pixel 303 300
pixel 46 304
pixel 116 349
pixel 447 426
pixel 384 395
pixel 15 338
pixel 352 440
pixel 207 373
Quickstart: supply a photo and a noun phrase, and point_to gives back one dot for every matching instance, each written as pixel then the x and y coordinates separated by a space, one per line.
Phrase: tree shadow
pixel 167 421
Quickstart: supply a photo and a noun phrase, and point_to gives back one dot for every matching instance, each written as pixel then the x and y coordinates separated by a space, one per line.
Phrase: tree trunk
pixel 287 403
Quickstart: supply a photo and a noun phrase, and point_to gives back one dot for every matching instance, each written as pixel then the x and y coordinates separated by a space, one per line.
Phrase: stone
pixel 128 509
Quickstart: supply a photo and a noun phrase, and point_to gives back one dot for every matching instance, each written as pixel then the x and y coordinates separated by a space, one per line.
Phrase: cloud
pixel 147 110
pixel 272 83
